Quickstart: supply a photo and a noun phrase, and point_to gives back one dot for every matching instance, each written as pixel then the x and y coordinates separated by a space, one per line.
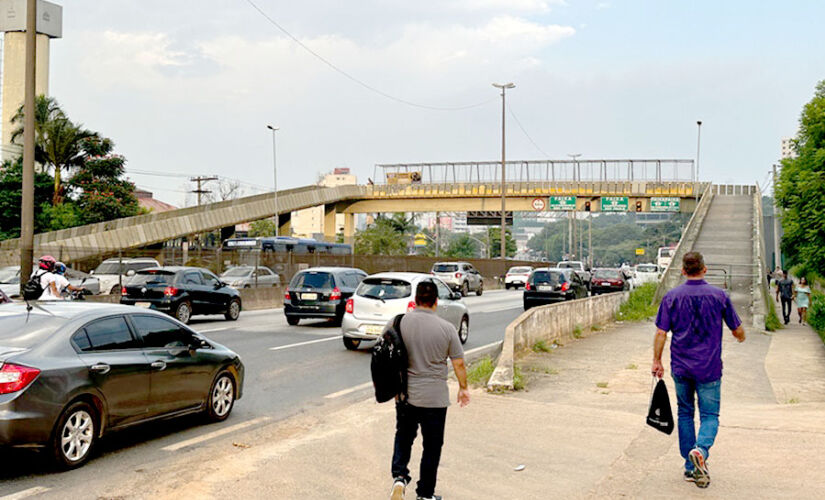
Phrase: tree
pixel 227 189
pixel 462 247
pixel 494 237
pixel 800 189
pixel 103 194
pixel 382 238
pixel 261 228
pixel 11 181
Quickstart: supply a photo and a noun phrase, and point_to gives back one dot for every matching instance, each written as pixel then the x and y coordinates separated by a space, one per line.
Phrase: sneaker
pixel 689 476
pixel 434 497
pixel 398 489
pixel 700 471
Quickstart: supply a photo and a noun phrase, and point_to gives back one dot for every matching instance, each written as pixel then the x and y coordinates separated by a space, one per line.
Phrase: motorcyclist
pixel 45 273
pixel 61 283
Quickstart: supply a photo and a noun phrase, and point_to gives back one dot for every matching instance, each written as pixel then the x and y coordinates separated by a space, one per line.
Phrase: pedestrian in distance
pixel 694 312
pixel 429 341
pixel 784 291
pixel 802 296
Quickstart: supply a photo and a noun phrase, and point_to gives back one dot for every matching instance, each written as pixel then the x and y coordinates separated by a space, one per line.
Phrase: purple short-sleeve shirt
pixel 694 312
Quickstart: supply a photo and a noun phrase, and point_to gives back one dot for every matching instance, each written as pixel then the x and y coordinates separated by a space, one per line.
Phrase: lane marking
pixel 366 385
pixel 213 435
pixel 26 493
pixel 299 344
pixel 348 391
pixel 215 329
pixel 498 309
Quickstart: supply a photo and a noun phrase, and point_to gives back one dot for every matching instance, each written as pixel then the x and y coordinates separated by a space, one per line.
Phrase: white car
pixel 114 273
pixel 646 273
pixel 381 297
pixel 517 276
pixel 247 277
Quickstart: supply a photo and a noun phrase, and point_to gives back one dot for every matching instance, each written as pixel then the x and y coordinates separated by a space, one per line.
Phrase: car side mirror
pixel 92 271
pixel 219 284
pixel 196 343
pixel 130 272
pixel 455 296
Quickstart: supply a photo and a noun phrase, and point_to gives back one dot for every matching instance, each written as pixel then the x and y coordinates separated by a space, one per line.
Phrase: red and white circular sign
pixel 539 204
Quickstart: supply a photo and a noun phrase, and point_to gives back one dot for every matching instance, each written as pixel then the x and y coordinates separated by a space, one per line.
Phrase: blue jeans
pixel 708 395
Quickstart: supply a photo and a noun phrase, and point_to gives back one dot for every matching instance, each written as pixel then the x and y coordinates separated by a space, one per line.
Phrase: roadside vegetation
pixel 640 305
pixel 480 371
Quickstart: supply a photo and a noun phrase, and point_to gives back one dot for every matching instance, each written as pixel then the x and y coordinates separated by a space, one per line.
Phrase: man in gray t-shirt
pixel 784 290
pixel 429 341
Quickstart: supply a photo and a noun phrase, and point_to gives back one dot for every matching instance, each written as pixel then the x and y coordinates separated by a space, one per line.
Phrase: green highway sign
pixel 562 203
pixel 614 204
pixel 664 205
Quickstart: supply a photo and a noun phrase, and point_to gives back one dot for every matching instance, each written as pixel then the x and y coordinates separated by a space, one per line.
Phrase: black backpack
pixel 32 290
pixel 389 364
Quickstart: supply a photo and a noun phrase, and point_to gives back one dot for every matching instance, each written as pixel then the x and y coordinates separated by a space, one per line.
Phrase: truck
pixel 578 267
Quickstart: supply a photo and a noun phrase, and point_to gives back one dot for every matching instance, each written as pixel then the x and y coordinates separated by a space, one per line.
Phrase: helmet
pixel 59 267
pixel 47 262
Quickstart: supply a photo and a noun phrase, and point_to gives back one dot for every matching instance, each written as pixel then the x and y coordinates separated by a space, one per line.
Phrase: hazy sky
pixel 188 86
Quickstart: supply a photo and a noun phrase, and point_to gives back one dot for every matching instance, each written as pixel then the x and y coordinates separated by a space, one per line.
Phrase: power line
pixel 356 80
pixel 525 132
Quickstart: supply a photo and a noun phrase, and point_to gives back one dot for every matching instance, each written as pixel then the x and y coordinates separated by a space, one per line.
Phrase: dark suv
pixel 547 286
pixel 320 292
pixel 182 292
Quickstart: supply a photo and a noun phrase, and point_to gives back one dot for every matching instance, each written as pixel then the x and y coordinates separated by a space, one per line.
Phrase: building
pixel 788 150
pixel 148 202
pixel 309 223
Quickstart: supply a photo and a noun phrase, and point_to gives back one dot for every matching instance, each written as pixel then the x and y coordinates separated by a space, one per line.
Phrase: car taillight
pixel 169 291
pixel 14 378
pixel 350 307
pixel 286 295
pixel 457 275
pixel 565 287
pixel 411 306
pixel 336 294
pixel 527 286
pixel 123 291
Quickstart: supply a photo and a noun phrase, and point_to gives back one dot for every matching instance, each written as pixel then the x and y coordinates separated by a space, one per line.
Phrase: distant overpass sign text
pixel 562 203
pixel 665 204
pixel 614 203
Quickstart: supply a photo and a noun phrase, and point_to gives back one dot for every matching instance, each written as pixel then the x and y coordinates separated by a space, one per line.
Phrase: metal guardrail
pixel 535 188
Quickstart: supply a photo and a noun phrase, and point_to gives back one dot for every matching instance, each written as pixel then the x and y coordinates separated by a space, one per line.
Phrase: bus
pixel 286 244
pixel 664 257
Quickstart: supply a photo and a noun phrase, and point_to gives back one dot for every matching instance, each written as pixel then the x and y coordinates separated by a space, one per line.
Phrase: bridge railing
pixel 536 188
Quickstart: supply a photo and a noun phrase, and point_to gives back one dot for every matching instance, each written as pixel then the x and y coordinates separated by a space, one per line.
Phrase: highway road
pixel 289 370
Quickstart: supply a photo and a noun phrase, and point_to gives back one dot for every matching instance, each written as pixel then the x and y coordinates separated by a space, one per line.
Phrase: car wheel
pixel 351 344
pixel 480 290
pixel 292 320
pixel 74 435
pixel 247 286
pixel 221 397
pixel 183 312
pixel 115 290
pixel 234 310
pixel 464 330
pixel 465 289
pixel 506 286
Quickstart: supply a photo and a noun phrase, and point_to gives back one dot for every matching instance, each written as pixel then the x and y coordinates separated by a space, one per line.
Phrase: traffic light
pixel 586 206
pixel 638 205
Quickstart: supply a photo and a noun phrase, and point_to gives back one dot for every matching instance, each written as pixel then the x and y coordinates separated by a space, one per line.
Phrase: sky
pixel 188 87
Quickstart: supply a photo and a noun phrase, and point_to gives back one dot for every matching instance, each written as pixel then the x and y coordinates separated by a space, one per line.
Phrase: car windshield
pixel 9 274
pixel 607 273
pixel 445 268
pixel 666 252
pixel 384 288
pixel 22 329
pixel 519 270
pixel 312 279
pixel 548 277
pixel 237 272
pixel 568 265
pixel 152 276
pixel 109 268
pixel 649 268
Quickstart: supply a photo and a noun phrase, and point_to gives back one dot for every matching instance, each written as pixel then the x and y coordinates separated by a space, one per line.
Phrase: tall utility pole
pixel 777 247
pixel 275 176
pixel 437 234
pixel 590 239
pixel 503 235
pixel 571 215
pixel 27 188
pixel 200 191
pixel 698 143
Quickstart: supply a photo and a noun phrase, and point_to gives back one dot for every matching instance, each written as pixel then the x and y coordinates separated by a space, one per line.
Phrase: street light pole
pixel 275 177
pixel 27 184
pixel 571 216
pixel 503 235
pixel 698 143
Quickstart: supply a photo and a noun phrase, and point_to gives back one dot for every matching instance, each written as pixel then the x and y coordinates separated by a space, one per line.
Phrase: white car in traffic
pixel 517 276
pixel 114 273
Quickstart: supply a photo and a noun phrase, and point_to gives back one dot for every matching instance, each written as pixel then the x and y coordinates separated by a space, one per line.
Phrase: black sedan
pixel 182 292
pixel 320 292
pixel 546 286
pixel 608 281
pixel 75 371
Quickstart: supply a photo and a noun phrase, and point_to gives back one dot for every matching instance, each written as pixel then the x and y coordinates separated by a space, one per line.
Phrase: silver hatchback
pixel 381 297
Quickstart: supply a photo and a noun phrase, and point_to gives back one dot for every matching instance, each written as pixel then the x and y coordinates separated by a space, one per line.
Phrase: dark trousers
pixel 407 420
pixel 786 313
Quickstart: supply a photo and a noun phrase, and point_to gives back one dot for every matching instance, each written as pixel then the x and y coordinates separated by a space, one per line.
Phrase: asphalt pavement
pixel 289 370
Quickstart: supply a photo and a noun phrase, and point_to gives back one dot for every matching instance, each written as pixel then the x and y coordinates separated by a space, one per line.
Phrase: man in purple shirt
pixel 694 312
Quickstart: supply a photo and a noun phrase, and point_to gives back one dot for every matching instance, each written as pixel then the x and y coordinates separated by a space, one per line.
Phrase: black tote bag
pixel 660 416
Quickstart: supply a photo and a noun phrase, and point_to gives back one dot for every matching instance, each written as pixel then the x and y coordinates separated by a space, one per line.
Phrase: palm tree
pixel 58 143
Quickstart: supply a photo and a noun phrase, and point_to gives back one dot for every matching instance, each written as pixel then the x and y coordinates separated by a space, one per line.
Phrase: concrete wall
pixel 549 323
pixel 251 298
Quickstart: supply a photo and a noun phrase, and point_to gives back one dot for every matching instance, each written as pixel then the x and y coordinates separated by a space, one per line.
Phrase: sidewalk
pixel 579 430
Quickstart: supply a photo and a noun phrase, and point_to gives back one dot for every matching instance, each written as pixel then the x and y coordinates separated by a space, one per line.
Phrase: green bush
pixel 640 305
pixel 772 322
pixel 541 346
pixel 480 371
pixel 816 314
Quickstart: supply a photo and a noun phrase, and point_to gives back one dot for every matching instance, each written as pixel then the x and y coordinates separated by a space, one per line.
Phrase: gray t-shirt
pixel 429 340
pixel 786 288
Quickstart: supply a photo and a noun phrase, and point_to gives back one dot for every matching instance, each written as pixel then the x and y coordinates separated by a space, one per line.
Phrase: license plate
pixel 309 296
pixel 373 329
pixel 605 283
pixel 545 288
pixel 145 305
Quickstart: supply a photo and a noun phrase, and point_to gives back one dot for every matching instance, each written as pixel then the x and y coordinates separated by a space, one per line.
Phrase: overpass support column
pixel 349 230
pixel 285 223
pixel 330 212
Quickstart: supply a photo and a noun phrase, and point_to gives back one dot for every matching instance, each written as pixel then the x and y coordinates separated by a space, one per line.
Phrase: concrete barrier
pixel 251 298
pixel 554 322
